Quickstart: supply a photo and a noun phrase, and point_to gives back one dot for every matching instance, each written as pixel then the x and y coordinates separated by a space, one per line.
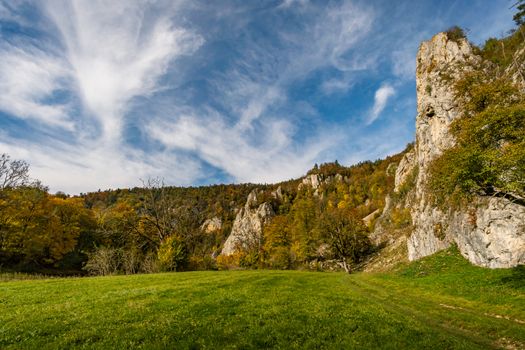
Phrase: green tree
pixel 519 17
pixel 489 155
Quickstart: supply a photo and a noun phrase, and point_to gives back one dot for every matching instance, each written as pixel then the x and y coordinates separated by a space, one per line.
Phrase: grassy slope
pixel 439 302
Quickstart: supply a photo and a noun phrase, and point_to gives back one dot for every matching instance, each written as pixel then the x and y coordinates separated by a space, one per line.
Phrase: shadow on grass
pixel 516 279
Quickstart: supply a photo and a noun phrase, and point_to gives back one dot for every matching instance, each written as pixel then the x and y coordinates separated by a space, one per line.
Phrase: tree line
pixel 159 228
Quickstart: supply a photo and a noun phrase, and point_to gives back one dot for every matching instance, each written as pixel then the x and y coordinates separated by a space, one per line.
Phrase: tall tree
pixel 158 209
pixel 347 236
pixel 13 173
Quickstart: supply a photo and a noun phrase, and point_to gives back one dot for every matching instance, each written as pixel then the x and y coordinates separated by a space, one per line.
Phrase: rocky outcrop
pixel 490 231
pixel 212 225
pixel 440 62
pixel 404 169
pixel 516 70
pixel 370 217
pixel 278 193
pixel 248 225
pixel 313 181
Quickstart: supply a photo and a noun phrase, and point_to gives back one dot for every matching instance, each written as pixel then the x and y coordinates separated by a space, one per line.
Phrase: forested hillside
pixel 156 227
pixel 469 149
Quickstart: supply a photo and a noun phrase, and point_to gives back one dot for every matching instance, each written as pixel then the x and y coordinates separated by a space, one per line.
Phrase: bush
pixel 400 218
pixel 150 264
pixel 131 259
pixel 227 262
pixel 501 51
pixel 172 254
pixel 455 33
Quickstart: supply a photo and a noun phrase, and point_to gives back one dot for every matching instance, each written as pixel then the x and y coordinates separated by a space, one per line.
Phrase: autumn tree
pixel 347 236
pixel 303 222
pixel 277 248
pixel 39 229
pixel 172 254
pixel 158 209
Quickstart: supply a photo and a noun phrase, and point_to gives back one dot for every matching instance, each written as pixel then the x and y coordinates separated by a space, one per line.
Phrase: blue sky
pixel 100 94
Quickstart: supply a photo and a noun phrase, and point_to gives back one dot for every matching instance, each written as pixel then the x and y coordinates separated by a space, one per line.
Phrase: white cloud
pixel 29 76
pixel 90 167
pixel 380 100
pixel 258 145
pixel 253 142
pixel 115 51
pixel 351 24
pixel 270 157
pixel 404 63
pixel 337 85
pixel 291 3
pixel 331 40
pixel 111 55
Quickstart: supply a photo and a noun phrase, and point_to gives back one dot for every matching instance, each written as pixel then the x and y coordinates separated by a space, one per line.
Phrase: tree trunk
pixel 346 267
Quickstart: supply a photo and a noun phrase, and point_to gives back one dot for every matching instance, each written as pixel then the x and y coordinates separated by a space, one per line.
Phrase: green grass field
pixel 440 302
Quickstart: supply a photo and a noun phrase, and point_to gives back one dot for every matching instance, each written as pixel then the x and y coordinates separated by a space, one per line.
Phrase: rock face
pixel 247 228
pixel 490 231
pixel 278 193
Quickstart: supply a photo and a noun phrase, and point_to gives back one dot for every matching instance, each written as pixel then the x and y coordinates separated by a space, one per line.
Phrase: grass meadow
pixel 440 302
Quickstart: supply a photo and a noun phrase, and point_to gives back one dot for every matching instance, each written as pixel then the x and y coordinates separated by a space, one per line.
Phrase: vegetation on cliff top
pixel 489 155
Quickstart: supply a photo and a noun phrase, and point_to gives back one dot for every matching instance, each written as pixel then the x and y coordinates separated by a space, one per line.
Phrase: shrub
pixel 455 33
pixel 227 262
pixel 131 259
pixel 501 51
pixel 172 254
pixel 150 264
pixel 103 261
pixel 400 218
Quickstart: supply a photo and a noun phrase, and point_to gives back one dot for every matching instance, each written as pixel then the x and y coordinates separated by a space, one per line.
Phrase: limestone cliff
pixel 247 228
pixel 489 231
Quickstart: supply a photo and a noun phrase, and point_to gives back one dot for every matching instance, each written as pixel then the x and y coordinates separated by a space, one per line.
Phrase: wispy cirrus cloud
pixel 253 141
pixel 29 78
pixel 98 94
pixel 108 53
pixel 267 154
pixel 115 54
